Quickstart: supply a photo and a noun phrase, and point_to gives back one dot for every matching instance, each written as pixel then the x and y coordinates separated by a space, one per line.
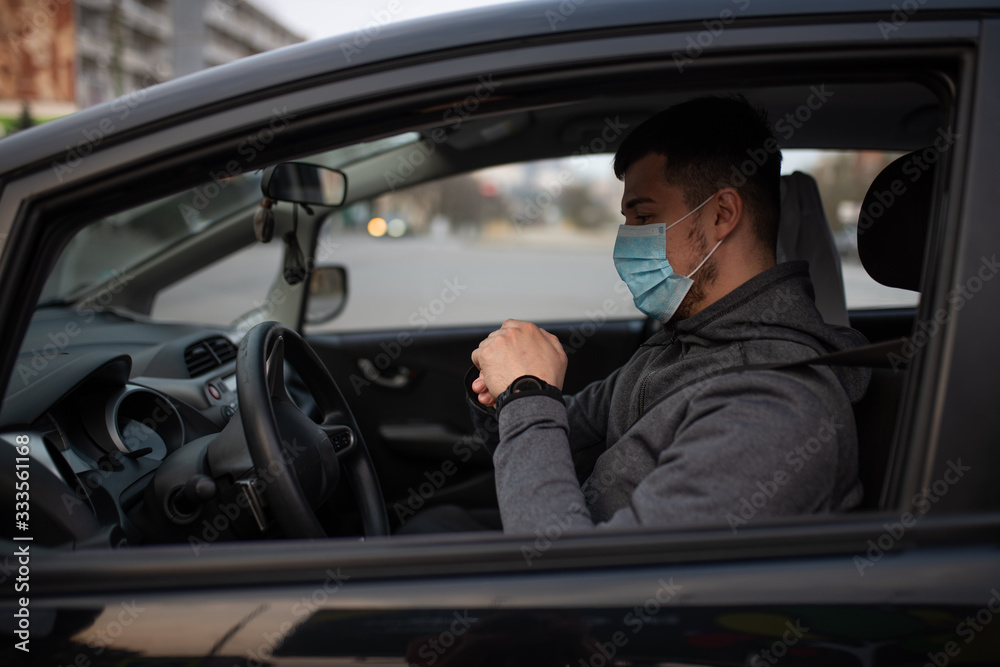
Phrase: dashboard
pixel 106 405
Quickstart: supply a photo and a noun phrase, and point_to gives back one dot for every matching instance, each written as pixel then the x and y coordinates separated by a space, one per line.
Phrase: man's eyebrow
pixel 635 201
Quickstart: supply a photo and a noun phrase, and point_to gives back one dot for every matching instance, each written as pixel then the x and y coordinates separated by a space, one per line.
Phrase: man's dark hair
pixel 711 143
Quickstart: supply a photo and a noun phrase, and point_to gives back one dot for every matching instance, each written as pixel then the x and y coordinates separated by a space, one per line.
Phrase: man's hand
pixel 517 348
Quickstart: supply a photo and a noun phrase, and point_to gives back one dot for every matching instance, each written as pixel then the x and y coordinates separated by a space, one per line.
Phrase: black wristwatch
pixel 528 385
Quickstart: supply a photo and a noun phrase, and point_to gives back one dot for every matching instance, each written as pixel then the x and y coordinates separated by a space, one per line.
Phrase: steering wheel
pixel 301 459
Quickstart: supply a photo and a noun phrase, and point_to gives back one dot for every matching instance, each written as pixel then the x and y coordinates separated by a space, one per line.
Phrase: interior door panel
pixel 406 391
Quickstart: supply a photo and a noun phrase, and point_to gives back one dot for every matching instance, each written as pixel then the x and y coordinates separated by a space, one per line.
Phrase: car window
pixel 533 241
pixel 223 291
pixel 530 241
pixel 843 178
pixel 120 242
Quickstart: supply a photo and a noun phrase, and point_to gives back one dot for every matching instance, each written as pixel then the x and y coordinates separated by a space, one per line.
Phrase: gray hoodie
pixel 675 437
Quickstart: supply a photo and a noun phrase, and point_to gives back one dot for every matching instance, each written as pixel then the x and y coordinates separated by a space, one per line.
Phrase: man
pixel 677 435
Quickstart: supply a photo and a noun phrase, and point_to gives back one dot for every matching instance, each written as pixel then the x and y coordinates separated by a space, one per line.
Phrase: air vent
pixel 208 354
pixel 223 349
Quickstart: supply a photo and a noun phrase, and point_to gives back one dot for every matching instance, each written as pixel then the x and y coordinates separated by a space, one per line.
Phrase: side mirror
pixel 302 183
pixel 327 294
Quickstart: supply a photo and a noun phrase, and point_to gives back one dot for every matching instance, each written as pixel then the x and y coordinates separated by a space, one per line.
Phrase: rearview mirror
pixel 302 183
pixel 327 294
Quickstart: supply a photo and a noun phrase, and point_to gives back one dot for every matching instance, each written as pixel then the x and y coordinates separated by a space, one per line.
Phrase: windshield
pixel 119 242
pixel 347 155
pixel 113 245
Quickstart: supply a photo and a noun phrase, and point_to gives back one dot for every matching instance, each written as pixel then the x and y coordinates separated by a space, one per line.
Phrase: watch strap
pixel 525 386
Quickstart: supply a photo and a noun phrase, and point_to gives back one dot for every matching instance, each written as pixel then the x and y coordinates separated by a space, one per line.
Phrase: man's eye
pixel 642 219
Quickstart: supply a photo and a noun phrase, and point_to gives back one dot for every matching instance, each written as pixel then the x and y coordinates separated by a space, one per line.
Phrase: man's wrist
pixel 528 385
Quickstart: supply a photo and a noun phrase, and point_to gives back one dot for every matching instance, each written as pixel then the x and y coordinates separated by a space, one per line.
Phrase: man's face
pixel 649 199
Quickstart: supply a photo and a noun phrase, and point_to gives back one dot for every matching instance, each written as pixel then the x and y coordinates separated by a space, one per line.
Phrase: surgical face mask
pixel 641 259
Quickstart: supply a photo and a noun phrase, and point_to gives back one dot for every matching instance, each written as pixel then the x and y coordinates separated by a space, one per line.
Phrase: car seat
pixel 892 234
pixel 804 233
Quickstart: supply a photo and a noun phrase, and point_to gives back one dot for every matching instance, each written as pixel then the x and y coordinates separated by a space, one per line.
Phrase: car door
pixel 788 591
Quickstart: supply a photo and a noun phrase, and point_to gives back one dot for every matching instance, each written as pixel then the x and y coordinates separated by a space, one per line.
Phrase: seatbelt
pixel 874 355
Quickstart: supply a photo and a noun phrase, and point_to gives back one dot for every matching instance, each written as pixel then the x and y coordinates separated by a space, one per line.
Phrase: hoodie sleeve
pixel 586 411
pixel 587 415
pixel 728 450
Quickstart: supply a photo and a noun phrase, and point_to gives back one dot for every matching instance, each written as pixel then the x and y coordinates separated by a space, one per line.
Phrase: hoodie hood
pixel 773 309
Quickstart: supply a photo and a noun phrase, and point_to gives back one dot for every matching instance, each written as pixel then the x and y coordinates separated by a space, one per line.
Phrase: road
pixel 413 282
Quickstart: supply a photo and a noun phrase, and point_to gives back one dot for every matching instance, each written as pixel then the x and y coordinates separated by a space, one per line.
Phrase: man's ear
pixel 730 212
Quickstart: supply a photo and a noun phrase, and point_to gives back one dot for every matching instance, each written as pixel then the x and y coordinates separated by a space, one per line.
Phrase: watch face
pixel 525 384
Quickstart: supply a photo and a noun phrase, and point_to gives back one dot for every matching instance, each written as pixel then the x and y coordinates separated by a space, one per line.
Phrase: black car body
pixel 912 578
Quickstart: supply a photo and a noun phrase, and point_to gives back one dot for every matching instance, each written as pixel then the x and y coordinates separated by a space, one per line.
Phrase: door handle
pixel 398 380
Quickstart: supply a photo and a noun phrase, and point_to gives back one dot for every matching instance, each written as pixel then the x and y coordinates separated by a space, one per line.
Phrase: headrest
pixel 804 233
pixel 895 215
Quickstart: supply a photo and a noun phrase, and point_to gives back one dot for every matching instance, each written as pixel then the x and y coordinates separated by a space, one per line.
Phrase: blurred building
pixel 58 56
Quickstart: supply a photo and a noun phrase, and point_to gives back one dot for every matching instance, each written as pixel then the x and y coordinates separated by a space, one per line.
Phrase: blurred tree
pixel 579 207
pixel 25 120
pixel 459 199
pixel 462 203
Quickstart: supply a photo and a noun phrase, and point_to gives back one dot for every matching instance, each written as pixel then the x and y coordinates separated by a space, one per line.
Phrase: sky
pixel 315 19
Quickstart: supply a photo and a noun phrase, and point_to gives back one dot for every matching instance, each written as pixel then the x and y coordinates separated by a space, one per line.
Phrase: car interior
pixel 139 415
